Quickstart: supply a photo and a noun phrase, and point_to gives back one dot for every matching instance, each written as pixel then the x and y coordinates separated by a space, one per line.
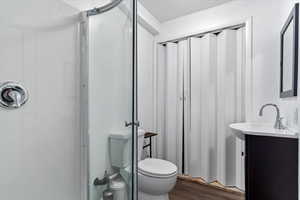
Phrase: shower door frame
pixel 84 117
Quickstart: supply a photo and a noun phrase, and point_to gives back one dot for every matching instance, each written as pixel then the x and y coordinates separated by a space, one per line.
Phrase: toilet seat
pixel 157 168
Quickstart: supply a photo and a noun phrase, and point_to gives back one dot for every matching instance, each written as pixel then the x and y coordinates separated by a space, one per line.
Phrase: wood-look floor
pixel 189 190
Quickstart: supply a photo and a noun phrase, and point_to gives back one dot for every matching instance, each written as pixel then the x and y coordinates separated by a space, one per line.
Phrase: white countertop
pixel 262 129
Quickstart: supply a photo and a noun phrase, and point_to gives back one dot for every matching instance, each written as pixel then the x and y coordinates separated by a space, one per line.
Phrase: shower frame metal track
pixel 105 8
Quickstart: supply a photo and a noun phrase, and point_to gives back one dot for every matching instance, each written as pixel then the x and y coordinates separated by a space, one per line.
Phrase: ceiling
pixel 165 10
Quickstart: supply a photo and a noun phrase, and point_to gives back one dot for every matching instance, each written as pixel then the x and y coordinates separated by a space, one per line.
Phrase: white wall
pixel 40 142
pixel 268 19
pixel 146 78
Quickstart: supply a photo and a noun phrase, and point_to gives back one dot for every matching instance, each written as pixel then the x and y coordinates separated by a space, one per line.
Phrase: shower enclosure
pixel 68 78
pixel 108 44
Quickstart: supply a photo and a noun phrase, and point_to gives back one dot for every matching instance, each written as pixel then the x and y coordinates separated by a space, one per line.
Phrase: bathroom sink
pixel 261 129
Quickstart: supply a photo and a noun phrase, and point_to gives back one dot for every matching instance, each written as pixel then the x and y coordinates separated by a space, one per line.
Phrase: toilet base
pixel 145 196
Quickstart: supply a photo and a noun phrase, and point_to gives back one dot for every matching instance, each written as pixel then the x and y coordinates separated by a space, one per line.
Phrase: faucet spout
pixel 278 123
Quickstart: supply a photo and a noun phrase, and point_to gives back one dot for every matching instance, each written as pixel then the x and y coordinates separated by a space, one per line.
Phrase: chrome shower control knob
pixel 12 95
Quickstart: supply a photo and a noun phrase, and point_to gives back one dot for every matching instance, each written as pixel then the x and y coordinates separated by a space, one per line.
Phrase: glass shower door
pixel 110 88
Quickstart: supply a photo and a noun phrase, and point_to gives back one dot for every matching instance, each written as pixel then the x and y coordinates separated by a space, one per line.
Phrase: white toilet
pixel 156 178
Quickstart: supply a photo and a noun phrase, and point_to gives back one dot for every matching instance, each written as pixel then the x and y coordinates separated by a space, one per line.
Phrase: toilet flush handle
pixel 106 180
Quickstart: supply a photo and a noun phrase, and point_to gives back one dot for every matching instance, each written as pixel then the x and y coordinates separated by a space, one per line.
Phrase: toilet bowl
pixel 156 178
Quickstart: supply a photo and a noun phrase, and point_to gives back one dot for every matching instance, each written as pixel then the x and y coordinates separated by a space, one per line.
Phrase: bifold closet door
pixel 230 98
pixel 161 101
pixel 217 100
pixel 173 139
pixel 176 77
pixel 172 104
pixel 202 139
pixel 201 91
pixel 184 89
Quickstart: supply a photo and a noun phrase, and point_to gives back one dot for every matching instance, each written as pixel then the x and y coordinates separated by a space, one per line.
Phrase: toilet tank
pixel 120 147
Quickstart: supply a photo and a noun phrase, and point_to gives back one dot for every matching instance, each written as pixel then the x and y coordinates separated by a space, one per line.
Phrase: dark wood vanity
pixel 271 168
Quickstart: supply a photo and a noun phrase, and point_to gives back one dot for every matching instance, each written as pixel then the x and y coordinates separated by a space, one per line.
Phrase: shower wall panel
pixel 40 142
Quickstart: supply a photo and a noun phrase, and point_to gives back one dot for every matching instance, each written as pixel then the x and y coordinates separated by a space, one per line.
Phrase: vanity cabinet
pixel 271 168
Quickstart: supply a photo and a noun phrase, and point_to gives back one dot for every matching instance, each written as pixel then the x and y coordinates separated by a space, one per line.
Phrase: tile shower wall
pixel 40 143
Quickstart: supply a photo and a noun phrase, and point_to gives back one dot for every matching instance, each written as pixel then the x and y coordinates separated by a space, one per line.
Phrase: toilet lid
pixel 157 167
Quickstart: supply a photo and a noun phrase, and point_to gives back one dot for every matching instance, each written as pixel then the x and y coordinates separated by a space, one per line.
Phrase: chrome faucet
pixel 278 123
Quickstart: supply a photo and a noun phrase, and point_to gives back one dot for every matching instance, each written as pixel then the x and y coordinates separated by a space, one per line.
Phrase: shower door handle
pixel 127 124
